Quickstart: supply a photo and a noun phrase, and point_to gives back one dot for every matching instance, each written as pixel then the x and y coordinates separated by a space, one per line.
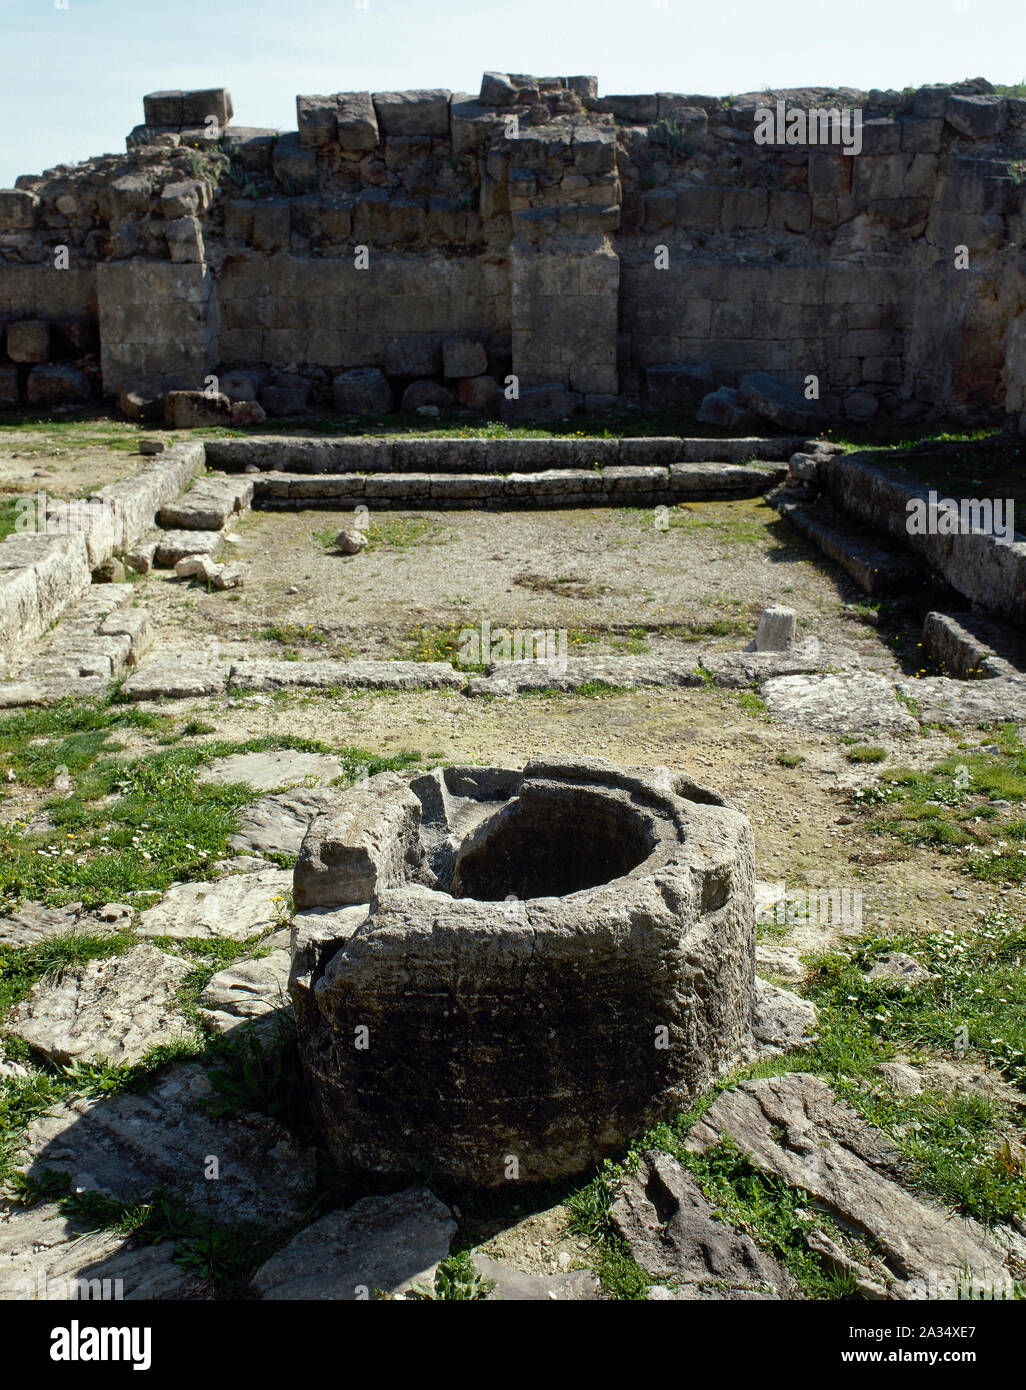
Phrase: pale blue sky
pixel 74 77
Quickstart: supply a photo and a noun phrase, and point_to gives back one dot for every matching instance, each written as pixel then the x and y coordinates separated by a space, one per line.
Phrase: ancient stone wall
pixel 650 247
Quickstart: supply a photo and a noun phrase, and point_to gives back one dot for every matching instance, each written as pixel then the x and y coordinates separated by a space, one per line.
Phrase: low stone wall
pixel 632 485
pixel 400 454
pixel 989 572
pixel 42 571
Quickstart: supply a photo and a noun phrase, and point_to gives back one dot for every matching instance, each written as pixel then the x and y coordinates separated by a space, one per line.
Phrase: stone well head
pixel 506 974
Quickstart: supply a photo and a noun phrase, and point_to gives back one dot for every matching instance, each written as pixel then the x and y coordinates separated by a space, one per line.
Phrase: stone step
pixel 874 569
pixel 370 454
pixel 209 505
pixel 558 487
pixel 173 546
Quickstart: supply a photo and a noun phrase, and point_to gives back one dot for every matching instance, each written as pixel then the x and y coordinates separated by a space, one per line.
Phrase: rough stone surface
pixel 511 1285
pixel 177 680
pixel 275 768
pixel 47 1257
pixel 899 970
pixel 268 674
pixel 674 1232
pixel 277 824
pixel 781 1020
pixel 239 906
pixel 794 1126
pixel 113 1009
pixel 32 923
pixel 497 982
pixel 779 403
pixel 251 989
pixel 362 391
pixel 776 629
pixel 173 546
pixel 380 1244
pixel 845 704
pixel 351 542
pixel 941 700
pixel 367 841
pixel 128 1145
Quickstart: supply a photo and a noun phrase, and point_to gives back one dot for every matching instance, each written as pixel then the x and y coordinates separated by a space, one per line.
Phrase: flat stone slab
pixel 379 1243
pixel 942 700
pixel 173 546
pixel 674 1232
pixel 269 771
pixel 793 1125
pixel 165 678
pixel 853 703
pixel 128 1145
pixel 517 1285
pixel 358 675
pixel 114 1009
pixel 238 907
pixel 781 1020
pixel 209 504
pixel 629 672
pixel 277 824
pixel 249 989
pixel 34 922
pixel 47 1257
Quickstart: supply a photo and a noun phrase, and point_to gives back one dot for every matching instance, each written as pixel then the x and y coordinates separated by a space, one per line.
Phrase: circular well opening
pixel 551 841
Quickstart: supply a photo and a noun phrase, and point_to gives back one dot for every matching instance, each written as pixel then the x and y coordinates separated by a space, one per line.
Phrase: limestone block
pixel 413 113
pixel 414 356
pixel 463 357
pixel 293 164
pixel 8 388
pixel 317 118
pixel 356 121
pixel 19 210
pixel 195 409
pixel 362 391
pixel 776 629
pixel 53 385
pixel 497 90
pixel 28 340
pixel 977 117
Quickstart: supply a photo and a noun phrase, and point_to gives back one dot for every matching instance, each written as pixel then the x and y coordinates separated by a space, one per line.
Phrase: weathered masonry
pixel 421 248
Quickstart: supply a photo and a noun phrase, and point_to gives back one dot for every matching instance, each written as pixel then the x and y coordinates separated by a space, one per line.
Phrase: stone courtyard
pixel 498 801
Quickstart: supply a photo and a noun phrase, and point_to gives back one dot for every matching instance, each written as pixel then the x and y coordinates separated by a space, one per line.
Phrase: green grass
pixel 949 807
pixel 292 635
pixel 790 759
pixel 130 825
pixel 866 753
pixel 404 532
pixel 976 1008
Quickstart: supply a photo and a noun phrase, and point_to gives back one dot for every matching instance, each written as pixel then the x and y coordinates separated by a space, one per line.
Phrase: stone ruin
pixel 495 966
pixel 421 249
